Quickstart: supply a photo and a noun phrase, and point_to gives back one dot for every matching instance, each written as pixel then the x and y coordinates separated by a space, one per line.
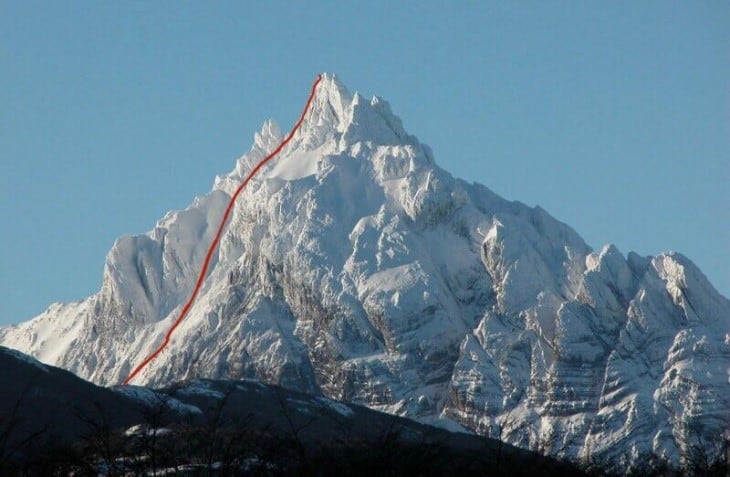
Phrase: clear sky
pixel 613 116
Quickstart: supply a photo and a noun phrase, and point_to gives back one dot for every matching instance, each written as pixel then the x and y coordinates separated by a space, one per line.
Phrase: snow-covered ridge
pixel 355 267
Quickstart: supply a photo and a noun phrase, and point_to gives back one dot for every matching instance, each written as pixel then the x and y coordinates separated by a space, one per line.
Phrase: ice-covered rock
pixel 355 267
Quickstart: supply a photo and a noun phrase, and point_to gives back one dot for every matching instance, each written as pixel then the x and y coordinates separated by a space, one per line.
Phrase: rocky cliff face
pixel 357 268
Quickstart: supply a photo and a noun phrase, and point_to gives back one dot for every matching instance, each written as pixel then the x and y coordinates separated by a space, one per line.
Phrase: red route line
pixel 218 234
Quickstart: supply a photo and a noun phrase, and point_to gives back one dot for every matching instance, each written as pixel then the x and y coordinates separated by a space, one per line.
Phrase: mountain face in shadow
pixel 57 423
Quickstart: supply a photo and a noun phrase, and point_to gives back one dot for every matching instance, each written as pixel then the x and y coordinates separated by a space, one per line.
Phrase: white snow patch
pixel 336 406
pixel 155 399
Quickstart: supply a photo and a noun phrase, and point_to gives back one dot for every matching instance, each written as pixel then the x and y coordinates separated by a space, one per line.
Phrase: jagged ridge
pixel 355 267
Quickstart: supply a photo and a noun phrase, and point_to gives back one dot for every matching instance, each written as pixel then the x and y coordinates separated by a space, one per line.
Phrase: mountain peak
pixel 330 106
pixel 353 266
pixel 331 87
pixel 268 137
pixel 336 121
pixel 348 118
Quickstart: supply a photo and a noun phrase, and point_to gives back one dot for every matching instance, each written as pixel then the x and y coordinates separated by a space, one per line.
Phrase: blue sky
pixel 613 116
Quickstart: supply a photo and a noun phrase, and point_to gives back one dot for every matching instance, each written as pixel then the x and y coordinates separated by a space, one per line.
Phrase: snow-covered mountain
pixel 355 267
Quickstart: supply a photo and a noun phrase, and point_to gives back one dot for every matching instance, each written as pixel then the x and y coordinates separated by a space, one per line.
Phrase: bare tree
pixel 295 430
pixel 11 444
pixel 102 446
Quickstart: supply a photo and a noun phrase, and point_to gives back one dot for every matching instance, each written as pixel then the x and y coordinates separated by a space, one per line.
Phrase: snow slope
pixel 355 267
